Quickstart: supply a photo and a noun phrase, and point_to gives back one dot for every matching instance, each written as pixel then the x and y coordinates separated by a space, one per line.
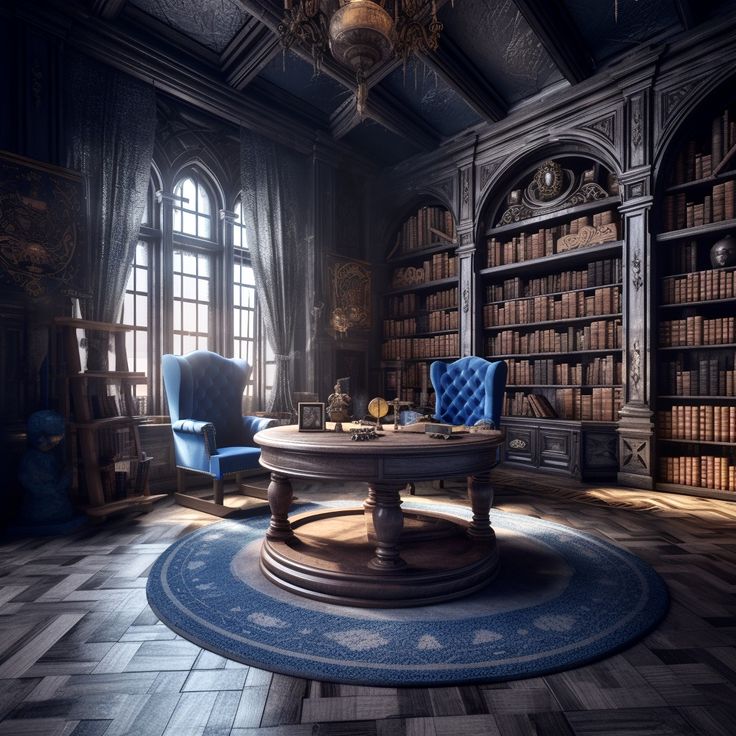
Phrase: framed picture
pixel 311 416
pixel 43 239
pixel 350 294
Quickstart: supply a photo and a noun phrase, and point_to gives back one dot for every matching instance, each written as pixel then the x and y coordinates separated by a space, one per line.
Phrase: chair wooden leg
pixel 218 486
pixel 179 480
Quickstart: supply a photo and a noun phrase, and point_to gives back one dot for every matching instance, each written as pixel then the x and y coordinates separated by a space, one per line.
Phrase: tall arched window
pixel 193 262
pixel 192 207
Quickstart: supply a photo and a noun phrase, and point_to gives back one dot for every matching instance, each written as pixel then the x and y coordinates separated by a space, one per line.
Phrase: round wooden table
pixel 378 555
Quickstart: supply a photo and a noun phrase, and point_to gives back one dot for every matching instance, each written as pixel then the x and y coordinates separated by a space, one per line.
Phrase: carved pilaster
pixel 635 429
pixel 466 292
pixel 466 193
pixel 638 143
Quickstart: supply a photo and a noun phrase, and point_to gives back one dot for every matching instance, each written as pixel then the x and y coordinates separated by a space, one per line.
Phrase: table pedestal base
pixel 331 558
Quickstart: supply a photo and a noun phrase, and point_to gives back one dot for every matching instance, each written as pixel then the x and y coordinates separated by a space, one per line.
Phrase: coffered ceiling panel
pixel 213 23
pixel 609 33
pixel 380 144
pixel 297 76
pixel 501 44
pixel 429 96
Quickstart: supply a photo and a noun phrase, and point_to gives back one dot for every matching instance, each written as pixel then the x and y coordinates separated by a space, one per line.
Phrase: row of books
pixel 597 404
pixel 700 286
pixel 702 471
pixel 114 443
pixel 443 299
pixel 440 266
pixel 604 370
pixel 694 331
pixel 699 159
pixel 717 206
pixel 540 407
pixel 708 379
pixel 125 478
pixel 706 423
pixel 421 347
pixel 597 273
pixel 681 257
pixel 605 300
pixel 431 322
pixel 104 406
pixel 544 242
pixel 429 226
pixel 599 335
pixel 403 305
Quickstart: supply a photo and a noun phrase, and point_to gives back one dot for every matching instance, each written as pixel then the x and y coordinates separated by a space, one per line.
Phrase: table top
pixel 400 455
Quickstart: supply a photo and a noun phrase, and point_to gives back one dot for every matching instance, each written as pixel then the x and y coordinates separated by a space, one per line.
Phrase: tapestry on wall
pixel 350 294
pixel 42 228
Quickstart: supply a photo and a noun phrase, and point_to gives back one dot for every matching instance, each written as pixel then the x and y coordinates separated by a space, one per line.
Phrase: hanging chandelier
pixel 361 34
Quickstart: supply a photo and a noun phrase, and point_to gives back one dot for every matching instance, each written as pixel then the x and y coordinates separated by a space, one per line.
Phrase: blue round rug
pixel 561 599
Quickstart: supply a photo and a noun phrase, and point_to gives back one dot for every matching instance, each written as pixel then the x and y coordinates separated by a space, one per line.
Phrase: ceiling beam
pixel 554 27
pixel 252 48
pixel 460 74
pixel 108 9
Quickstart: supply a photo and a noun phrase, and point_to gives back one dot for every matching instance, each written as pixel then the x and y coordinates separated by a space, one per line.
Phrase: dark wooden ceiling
pixel 494 56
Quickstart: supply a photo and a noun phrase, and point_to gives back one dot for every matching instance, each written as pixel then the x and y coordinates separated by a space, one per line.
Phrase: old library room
pixel 368 367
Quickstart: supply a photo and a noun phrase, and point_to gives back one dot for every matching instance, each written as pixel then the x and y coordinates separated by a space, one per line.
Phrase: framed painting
pixel 311 416
pixel 350 294
pixel 43 240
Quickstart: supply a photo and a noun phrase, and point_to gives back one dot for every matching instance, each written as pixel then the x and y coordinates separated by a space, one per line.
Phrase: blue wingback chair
pixel 211 436
pixel 469 391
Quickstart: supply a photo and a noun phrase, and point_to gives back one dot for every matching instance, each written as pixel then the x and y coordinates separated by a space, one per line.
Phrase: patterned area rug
pixel 561 599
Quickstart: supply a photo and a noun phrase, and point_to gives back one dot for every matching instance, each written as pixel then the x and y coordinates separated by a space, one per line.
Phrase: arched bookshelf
pixel 696 335
pixel 550 285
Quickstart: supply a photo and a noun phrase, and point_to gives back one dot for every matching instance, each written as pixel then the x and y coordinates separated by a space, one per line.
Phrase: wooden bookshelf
pixel 109 469
pixel 696 382
pixel 551 274
pixel 420 306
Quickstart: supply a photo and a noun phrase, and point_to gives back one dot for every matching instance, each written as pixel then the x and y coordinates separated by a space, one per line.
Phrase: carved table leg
pixel 384 505
pixel 280 495
pixel 480 492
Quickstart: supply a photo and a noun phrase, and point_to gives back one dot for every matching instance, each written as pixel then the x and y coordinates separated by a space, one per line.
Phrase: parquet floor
pixel 81 654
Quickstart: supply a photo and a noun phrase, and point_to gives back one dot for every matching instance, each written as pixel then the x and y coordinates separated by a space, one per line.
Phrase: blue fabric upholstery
pixel 204 392
pixel 469 390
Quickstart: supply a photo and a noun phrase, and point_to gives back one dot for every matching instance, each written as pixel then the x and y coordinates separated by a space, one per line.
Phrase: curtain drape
pixel 275 189
pixel 112 128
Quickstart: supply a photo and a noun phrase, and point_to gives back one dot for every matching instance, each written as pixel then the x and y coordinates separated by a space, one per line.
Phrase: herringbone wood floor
pixel 82 654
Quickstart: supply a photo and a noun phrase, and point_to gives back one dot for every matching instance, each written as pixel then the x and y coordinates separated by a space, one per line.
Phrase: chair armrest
pixel 251 425
pixel 206 430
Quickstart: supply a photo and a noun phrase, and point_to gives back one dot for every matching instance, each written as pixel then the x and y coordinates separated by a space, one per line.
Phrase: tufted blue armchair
pixel 204 392
pixel 468 391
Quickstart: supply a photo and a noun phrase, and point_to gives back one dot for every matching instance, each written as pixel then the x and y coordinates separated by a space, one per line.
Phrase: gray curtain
pixel 275 189
pixel 112 127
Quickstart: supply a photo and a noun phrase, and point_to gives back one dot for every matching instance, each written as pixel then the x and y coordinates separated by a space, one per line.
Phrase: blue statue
pixel 43 473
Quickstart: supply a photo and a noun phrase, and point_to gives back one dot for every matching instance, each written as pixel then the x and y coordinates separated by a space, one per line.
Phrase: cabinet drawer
pixel 520 444
pixel 555 448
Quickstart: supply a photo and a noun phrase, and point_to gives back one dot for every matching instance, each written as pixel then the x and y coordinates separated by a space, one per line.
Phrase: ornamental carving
pixel 636 279
pixel 636 365
pixel 551 188
pixel 671 100
pixel 466 299
pixel 517 444
pixel 637 132
pixel 486 172
pixel 605 127
pixel 588 235
pixel 635 454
